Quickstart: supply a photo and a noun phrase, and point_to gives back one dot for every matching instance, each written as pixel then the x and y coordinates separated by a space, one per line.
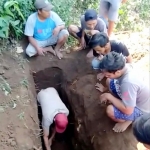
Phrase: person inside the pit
pixel 108 11
pixel 44 29
pixel 141 130
pixel 129 96
pixel 90 24
pixel 53 111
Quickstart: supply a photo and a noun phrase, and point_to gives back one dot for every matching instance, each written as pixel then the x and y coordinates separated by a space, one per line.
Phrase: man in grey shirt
pixel 130 95
pixel 90 25
pixel 53 110
pixel 45 28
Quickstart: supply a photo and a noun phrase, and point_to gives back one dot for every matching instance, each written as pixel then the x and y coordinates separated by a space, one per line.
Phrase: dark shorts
pixel 114 87
pixel 79 34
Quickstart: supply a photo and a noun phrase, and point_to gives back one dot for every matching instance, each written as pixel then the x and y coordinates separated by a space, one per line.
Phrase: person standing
pixel 53 111
pixel 108 10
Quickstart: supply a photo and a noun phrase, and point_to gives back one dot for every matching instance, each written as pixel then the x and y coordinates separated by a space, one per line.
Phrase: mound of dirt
pixel 92 128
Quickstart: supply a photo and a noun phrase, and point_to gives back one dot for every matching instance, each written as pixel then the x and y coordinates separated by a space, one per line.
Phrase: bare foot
pixel 100 76
pixel 122 126
pixel 100 87
pixel 59 54
pixel 49 49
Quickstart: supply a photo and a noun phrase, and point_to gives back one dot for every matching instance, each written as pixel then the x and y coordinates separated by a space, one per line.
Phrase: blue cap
pixel 90 14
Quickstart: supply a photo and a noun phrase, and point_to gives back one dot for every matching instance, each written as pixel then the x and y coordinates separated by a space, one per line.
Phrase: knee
pixel 95 63
pixel 30 51
pixel 71 28
pixel 63 36
pixel 110 111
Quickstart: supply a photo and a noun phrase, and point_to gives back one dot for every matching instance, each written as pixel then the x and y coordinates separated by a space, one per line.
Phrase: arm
pixel 120 105
pixel 52 137
pixel 125 52
pixel 128 95
pixel 29 30
pixel 61 27
pixel 33 42
pixel 45 137
pixel 59 23
pixel 46 124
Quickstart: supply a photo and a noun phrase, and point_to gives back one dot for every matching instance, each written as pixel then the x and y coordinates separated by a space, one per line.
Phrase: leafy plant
pixel 12 18
pixel 14 13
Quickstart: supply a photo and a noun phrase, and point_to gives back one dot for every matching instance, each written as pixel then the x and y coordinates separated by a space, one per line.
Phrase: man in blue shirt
pixel 45 28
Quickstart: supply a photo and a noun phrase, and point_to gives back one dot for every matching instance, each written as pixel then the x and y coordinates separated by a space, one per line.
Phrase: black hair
pixel 99 39
pixel 141 129
pixel 112 62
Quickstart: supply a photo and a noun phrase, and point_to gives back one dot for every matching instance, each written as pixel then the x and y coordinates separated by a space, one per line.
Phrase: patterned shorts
pixel 114 87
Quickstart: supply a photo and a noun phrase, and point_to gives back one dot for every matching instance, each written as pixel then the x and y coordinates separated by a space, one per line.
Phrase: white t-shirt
pixel 51 105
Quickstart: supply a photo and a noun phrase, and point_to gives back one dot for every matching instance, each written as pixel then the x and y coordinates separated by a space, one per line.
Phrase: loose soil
pixel 76 77
pixel 75 81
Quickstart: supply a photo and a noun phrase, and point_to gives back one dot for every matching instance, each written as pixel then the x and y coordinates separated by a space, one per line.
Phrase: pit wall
pixel 93 129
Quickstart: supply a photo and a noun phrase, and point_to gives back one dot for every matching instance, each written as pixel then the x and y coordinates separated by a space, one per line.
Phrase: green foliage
pixel 13 14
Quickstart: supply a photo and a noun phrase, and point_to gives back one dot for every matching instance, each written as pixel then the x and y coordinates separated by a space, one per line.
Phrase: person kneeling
pixel 129 97
pixel 53 110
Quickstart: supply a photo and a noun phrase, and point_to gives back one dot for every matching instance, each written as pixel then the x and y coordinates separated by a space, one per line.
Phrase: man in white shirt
pixel 53 110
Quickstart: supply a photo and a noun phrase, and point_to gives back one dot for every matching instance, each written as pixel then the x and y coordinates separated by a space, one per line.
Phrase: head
pixel 112 65
pixel 43 7
pixel 91 18
pixel 61 122
pixel 100 43
pixel 141 130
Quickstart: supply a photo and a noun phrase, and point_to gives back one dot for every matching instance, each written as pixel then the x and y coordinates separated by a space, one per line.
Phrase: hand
pixel 100 87
pixel 50 142
pixel 105 97
pixel 91 32
pixel 100 76
pixel 100 57
pixel 83 43
pixel 56 31
pixel 40 51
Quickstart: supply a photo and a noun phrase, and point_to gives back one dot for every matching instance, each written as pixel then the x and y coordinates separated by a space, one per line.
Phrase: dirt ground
pixel 19 128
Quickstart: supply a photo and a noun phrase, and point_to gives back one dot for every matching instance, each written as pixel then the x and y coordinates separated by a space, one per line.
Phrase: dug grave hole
pixel 89 127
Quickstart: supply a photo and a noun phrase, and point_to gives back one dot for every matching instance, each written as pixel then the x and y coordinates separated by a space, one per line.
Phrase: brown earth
pixel 75 81
pixel 92 127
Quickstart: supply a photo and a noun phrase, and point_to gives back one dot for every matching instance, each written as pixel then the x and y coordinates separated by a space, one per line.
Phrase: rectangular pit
pixel 54 77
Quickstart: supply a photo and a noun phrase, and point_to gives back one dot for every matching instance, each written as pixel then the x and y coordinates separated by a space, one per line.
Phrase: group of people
pixel 128 96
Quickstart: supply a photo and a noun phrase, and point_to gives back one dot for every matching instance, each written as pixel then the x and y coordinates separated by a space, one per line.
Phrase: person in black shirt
pixel 101 46
pixel 141 130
